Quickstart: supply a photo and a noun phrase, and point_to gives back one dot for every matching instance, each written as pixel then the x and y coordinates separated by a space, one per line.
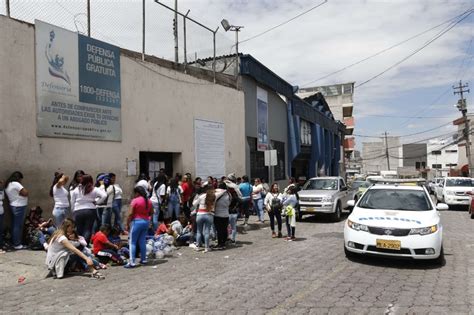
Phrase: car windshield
pixel 395 199
pixel 459 182
pixel 356 185
pixel 321 184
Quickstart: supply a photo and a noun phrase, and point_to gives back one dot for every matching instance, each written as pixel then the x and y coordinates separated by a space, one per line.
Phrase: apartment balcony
pixel 349 122
pixel 349 144
pixel 347 109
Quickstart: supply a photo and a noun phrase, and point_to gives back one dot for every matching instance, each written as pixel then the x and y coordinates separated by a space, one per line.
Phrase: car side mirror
pixel 351 203
pixel 344 188
pixel 442 207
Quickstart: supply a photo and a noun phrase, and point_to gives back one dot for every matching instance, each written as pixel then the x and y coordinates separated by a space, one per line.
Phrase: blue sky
pixel 326 39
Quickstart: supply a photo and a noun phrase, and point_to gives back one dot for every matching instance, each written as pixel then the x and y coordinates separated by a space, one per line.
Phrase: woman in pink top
pixel 138 222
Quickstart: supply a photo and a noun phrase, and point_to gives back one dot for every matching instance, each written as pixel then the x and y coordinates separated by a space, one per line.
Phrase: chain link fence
pixel 120 22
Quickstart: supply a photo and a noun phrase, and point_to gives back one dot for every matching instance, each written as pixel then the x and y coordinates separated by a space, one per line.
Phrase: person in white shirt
pixel 117 203
pixel 83 205
pixel 61 200
pixel 258 199
pixel 18 197
pixel 157 199
pixel 273 204
pixel 143 182
pixel 2 211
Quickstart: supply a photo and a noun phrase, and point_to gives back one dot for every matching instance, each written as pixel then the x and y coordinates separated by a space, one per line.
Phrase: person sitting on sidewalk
pixel 62 254
pixel 37 229
pixel 182 230
pixel 103 249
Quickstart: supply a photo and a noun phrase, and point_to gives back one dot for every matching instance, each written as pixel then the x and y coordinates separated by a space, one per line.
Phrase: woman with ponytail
pixel 84 199
pixel 138 222
pixel 60 196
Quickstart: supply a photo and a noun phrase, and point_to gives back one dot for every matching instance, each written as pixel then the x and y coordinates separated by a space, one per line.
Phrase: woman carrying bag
pixel 273 205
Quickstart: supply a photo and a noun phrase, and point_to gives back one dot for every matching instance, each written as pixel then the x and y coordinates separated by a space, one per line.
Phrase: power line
pixel 440 34
pixel 387 49
pixel 411 117
pixel 407 135
pixel 286 22
pixel 447 135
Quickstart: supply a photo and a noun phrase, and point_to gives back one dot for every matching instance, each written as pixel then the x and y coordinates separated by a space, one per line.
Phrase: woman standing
pixel 117 202
pixel 157 199
pixel 273 204
pixel 60 195
pixel 62 252
pixel 76 180
pixel 18 197
pixel 83 205
pixel 289 204
pixel 258 199
pixel 221 215
pixel 138 222
pixel 205 204
pixel 173 193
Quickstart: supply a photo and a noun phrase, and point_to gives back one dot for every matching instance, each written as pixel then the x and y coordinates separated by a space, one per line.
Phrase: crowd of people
pixel 87 231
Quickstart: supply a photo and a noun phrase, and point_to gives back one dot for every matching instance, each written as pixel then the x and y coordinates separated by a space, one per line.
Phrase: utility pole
pixel 175 30
pixel 386 151
pixel 89 18
pixel 462 106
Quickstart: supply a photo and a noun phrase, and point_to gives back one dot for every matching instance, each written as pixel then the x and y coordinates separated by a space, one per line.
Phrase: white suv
pixel 454 191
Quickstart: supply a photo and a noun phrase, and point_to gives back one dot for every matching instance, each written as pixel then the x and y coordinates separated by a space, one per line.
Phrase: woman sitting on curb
pixel 62 254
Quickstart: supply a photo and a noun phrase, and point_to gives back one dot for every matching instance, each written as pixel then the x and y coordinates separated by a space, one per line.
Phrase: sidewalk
pixel 30 264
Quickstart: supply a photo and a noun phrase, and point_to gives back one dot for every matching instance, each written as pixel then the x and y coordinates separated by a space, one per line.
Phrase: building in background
pixel 443 158
pixel 414 160
pixel 374 157
pixel 307 137
pixel 340 99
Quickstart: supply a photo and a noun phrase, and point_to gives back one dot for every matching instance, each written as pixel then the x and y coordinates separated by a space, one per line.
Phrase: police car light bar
pixel 400 181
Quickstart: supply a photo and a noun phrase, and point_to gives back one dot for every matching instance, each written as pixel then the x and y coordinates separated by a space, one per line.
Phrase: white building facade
pixel 442 157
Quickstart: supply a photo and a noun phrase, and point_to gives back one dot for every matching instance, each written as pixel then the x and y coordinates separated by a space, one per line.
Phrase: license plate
pixel 310 209
pixel 388 244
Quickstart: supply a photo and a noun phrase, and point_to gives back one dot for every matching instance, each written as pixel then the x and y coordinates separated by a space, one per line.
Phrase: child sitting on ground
pixel 103 249
pixel 80 243
pixel 114 238
pixel 164 228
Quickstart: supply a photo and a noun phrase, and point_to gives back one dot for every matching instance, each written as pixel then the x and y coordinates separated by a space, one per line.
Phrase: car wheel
pixel 440 261
pixel 336 216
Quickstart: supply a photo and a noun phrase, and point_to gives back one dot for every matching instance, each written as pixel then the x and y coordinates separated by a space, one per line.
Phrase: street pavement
pixel 260 276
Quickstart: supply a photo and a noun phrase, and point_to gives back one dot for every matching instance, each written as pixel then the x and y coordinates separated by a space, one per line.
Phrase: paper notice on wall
pixel 209 148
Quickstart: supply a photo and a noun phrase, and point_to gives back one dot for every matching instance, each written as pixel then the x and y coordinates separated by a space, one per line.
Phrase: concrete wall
pixel 414 152
pixel 157 116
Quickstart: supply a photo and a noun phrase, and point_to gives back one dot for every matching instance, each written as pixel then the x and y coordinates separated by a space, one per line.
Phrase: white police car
pixel 395 219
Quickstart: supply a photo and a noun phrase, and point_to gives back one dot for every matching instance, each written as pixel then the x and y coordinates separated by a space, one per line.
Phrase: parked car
pixel 432 184
pixel 454 191
pixel 395 220
pixel 323 195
